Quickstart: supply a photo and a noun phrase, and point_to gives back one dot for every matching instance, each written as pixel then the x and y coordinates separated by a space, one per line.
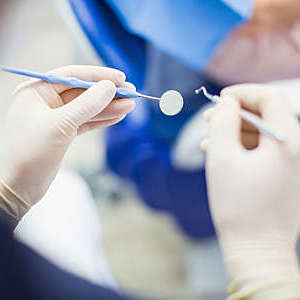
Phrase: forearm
pixel 12 206
pixel 6 216
pixel 262 271
pixel 275 282
pixel 21 187
pixel 265 289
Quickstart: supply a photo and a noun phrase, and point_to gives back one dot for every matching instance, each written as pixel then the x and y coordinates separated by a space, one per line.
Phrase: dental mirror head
pixel 171 103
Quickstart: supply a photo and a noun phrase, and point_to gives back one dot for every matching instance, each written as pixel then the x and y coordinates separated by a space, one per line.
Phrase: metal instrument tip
pixel 209 96
pixel 198 91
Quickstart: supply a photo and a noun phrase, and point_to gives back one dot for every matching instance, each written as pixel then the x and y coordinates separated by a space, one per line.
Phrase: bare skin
pixel 272 15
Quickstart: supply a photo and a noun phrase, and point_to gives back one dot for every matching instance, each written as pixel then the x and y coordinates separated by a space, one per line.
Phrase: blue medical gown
pixel 140 147
pixel 161 45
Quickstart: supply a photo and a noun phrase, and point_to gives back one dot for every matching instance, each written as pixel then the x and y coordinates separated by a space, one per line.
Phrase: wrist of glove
pixel 262 269
pixel 13 205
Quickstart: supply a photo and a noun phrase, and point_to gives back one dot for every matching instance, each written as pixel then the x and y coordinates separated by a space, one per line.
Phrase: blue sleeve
pixel 192 29
pixel 135 153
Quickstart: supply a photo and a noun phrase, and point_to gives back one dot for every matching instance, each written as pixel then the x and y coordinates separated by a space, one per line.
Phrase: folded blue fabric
pixel 188 30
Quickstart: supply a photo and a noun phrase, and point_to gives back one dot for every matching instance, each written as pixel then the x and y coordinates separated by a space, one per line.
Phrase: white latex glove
pixel 186 153
pixel 254 195
pixel 45 118
pixel 265 49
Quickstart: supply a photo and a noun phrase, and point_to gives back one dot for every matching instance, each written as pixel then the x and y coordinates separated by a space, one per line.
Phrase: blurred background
pixel 145 249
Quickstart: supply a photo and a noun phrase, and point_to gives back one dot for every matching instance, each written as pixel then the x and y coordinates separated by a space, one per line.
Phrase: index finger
pixel 224 129
pixel 88 73
pixel 271 103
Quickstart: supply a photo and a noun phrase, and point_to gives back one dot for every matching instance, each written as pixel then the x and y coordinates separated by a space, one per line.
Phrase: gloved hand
pixel 254 195
pixel 45 118
pixel 187 154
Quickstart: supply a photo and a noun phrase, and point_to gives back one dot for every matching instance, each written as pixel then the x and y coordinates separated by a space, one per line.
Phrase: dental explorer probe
pixel 251 118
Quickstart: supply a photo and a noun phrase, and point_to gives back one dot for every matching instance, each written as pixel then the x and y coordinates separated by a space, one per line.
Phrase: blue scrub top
pixel 160 45
pixel 189 30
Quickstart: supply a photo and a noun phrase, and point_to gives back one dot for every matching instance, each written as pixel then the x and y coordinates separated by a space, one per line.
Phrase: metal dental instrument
pixel 170 103
pixel 251 118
